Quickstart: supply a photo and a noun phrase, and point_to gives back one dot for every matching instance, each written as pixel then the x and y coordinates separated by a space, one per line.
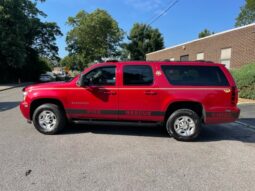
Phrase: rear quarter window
pixel 195 75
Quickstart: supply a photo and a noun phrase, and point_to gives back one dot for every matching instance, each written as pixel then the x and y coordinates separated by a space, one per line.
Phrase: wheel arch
pixel 193 105
pixel 37 102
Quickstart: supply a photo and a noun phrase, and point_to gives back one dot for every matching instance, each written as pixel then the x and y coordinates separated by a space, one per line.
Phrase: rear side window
pixel 195 75
pixel 137 75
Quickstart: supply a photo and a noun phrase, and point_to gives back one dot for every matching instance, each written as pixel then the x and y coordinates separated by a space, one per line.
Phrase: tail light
pixel 234 95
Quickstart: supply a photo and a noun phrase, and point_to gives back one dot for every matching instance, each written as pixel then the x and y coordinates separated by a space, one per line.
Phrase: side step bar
pixel 121 123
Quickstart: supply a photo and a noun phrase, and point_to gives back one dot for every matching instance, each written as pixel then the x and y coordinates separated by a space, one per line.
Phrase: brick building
pixel 233 48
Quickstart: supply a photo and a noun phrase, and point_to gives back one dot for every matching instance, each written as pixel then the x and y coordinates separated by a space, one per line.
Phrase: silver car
pixel 47 78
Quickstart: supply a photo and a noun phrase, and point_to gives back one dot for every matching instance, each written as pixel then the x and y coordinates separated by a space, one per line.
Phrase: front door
pixel 98 98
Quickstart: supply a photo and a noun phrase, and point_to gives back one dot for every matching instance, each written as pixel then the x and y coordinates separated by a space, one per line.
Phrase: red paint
pixel 137 103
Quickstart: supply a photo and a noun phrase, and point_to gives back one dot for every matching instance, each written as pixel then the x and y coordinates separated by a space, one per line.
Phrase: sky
pixel 181 23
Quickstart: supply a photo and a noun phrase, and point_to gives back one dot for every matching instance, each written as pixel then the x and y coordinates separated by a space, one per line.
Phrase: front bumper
pixel 24 108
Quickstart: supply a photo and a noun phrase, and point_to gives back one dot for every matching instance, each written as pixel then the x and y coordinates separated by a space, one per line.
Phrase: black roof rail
pixel 204 61
pixel 111 61
pixel 167 60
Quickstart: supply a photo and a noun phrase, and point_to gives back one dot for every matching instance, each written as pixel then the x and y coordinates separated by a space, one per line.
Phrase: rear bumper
pixel 222 116
pixel 24 108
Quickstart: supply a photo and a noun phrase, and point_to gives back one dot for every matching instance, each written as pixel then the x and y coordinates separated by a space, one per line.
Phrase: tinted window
pixel 195 75
pixel 138 75
pixel 101 76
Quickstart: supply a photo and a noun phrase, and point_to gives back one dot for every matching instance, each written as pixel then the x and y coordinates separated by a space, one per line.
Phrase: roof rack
pixel 167 60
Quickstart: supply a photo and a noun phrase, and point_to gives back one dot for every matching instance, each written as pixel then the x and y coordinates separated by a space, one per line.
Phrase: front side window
pixel 103 76
pixel 137 75
pixel 195 75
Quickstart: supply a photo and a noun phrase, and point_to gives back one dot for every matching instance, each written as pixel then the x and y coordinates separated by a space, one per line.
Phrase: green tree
pixel 69 62
pixel 205 33
pixel 32 69
pixel 143 39
pixel 247 14
pixel 93 36
pixel 24 38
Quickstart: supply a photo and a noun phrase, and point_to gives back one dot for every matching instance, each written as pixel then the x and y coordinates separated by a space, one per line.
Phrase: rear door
pixel 138 93
pixel 205 84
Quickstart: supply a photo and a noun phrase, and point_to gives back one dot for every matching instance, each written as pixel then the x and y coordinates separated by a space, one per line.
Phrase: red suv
pixel 179 95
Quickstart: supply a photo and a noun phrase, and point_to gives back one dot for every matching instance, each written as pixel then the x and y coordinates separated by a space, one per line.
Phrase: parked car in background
pixel 48 77
pixel 61 76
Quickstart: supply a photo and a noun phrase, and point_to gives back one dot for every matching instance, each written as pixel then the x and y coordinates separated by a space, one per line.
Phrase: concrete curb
pixel 16 86
pixel 246 125
pixel 243 103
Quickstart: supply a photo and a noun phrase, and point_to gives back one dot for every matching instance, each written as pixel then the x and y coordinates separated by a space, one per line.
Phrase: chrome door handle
pixel 149 92
pixel 109 92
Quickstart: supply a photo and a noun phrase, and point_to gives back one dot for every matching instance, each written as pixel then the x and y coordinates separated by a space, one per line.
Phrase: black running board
pixel 124 123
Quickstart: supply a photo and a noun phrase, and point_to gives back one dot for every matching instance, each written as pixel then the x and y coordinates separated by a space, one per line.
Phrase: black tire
pixel 59 118
pixel 192 118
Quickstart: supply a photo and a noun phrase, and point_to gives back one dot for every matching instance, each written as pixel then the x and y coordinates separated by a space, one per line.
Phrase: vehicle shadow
pixel 4 106
pixel 149 131
pixel 210 133
pixel 227 132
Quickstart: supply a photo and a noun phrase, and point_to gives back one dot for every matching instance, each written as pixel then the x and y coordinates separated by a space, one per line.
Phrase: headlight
pixel 24 95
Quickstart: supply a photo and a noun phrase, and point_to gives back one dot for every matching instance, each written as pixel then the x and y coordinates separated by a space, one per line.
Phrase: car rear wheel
pixel 183 125
pixel 49 119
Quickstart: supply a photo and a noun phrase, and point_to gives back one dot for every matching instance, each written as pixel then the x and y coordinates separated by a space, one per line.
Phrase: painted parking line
pixel 252 127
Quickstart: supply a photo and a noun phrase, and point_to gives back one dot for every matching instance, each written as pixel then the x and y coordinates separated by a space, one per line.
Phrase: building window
pixel 171 59
pixel 200 56
pixel 184 58
pixel 225 57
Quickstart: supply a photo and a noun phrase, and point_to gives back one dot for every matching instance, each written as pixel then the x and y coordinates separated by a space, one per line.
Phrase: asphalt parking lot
pixel 121 157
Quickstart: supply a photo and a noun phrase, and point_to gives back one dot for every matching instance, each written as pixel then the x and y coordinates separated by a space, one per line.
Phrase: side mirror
pixel 80 81
pixel 85 82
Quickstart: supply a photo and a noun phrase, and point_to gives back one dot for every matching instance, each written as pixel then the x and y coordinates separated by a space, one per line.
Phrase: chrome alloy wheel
pixel 47 120
pixel 184 126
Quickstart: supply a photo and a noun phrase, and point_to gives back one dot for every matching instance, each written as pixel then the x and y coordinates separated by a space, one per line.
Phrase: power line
pixel 172 3
pixel 162 7
pixel 164 12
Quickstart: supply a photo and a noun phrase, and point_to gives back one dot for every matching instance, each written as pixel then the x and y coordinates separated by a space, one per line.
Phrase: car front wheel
pixel 183 125
pixel 49 119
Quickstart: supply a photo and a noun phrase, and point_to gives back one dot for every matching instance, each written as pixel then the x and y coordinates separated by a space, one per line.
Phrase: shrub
pixel 245 80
